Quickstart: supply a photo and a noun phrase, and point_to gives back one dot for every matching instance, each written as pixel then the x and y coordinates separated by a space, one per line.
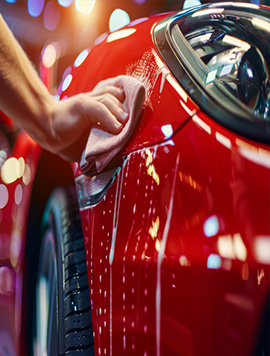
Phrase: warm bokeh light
pixel 118 19
pixel 35 7
pixel 65 3
pixel 49 56
pixel 85 6
pixel 12 169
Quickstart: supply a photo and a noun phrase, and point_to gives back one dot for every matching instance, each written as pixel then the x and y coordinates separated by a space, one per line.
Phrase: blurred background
pixel 55 32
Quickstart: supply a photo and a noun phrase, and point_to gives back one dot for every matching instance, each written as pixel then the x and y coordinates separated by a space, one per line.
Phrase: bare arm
pixel 60 127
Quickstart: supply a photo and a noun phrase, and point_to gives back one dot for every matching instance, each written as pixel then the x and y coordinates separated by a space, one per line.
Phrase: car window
pixel 224 51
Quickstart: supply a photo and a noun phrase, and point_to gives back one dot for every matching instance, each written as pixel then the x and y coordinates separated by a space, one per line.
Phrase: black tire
pixel 62 314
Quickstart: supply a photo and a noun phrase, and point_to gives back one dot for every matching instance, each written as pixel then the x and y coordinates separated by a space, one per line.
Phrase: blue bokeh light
pixel 65 3
pixel 35 7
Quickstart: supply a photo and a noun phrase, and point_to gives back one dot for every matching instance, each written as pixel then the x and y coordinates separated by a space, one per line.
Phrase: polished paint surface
pixel 178 247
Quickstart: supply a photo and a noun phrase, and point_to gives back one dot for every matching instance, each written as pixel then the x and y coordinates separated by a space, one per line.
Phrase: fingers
pixel 115 107
pixel 106 112
pixel 107 119
pixel 116 92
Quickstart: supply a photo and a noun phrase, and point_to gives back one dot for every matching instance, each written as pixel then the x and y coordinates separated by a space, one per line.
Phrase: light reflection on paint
pixel 187 109
pixel 120 34
pixel 211 226
pixel 256 155
pixel 260 276
pixel 213 261
pixel 183 260
pixel 153 231
pixel 66 82
pixel 225 246
pixel 101 38
pixel 157 245
pixel 136 22
pixel 177 87
pixel 245 272
pixel 239 247
pixel 167 130
pixel 232 247
pixel 151 171
pixel 187 179
pixel 225 141
pixel 262 249
pixel 81 57
pixel 202 124
pixel 118 19
pixel 12 169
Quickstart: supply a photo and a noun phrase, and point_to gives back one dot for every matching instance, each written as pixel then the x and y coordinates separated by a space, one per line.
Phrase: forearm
pixel 23 97
pixel 58 126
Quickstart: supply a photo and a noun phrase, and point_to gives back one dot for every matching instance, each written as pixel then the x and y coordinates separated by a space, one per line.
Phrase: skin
pixel 61 127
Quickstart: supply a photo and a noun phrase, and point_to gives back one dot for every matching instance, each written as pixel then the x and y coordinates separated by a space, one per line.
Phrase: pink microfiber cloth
pixel 103 146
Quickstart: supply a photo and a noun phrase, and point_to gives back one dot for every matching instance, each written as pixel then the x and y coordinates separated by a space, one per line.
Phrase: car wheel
pixel 62 314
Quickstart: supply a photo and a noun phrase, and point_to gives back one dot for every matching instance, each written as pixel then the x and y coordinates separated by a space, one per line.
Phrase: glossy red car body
pixel 178 248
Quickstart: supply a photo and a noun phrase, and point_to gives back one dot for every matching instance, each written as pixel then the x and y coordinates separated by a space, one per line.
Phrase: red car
pixel 167 250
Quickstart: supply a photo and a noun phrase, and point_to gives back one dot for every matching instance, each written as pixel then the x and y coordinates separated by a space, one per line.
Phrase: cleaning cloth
pixel 103 146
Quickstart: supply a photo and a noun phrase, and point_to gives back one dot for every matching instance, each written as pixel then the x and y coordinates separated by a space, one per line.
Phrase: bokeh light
pixel 85 6
pixel 65 3
pixel 35 7
pixel 118 19
pixel 49 56
pixel 51 16
pixel 3 196
pixel 18 194
pixel 11 1
pixel 12 169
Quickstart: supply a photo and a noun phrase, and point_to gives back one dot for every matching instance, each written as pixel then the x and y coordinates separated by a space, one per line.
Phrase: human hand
pixel 70 121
